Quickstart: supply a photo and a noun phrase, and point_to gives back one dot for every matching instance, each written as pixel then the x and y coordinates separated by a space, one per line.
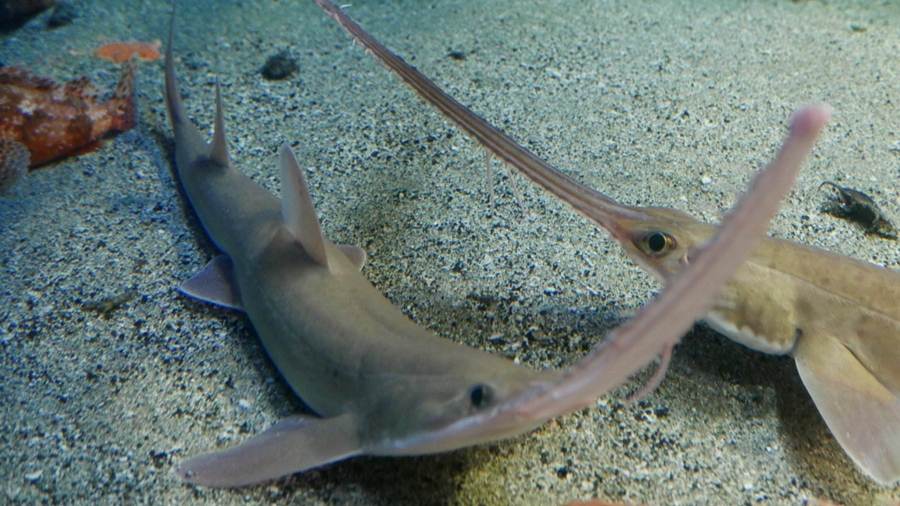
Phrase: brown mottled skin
pixel 54 121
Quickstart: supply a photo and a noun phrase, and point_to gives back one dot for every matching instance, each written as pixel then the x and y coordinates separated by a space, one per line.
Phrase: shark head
pixel 661 240
pixel 451 409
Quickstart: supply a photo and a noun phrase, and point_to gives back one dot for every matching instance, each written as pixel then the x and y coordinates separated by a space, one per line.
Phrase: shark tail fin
pixel 297 208
pixel 292 445
pixel 186 133
pixel 173 97
pixel 860 411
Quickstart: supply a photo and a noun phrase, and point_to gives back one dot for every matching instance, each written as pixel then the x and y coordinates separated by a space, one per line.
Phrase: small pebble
pixel 34 476
pixel 706 180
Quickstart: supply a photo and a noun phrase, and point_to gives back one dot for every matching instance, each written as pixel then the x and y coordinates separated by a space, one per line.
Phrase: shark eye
pixel 657 243
pixel 480 395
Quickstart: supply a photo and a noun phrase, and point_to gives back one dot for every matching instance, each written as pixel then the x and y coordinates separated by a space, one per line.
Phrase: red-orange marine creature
pixel 42 121
pixel 121 52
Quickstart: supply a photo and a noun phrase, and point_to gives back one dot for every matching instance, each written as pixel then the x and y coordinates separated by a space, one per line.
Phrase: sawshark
pixel 378 383
pixel 839 318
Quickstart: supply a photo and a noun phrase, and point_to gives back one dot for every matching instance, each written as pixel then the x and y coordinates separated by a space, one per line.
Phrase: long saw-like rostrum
pixel 838 317
pixel 380 384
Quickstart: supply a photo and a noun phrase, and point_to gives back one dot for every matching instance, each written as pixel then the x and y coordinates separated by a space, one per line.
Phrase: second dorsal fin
pixel 297 208
pixel 218 151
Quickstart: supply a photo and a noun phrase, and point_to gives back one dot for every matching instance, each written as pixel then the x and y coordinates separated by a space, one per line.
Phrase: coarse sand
pixel 108 377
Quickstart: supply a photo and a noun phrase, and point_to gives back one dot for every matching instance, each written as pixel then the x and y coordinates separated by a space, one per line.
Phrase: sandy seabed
pixel 669 103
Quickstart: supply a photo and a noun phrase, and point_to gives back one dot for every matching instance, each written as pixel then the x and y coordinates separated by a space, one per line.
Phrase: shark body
pixel 380 384
pixel 839 318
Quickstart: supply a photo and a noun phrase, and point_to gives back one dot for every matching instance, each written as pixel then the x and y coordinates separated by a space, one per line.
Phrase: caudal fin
pixel 173 97
pixel 189 144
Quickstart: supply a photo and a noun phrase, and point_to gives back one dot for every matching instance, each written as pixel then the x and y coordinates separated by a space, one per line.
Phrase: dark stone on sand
pixel 279 66
pixel 14 13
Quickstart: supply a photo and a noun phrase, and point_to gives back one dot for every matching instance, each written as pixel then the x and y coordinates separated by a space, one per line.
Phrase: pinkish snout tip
pixel 810 119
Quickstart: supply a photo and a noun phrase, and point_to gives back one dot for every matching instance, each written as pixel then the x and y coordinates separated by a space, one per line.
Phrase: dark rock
pixel 279 66
pixel 14 13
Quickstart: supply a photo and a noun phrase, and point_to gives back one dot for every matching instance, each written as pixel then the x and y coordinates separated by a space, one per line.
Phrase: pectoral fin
pixel 214 284
pixel 292 445
pixel 14 161
pixel 875 340
pixel 863 415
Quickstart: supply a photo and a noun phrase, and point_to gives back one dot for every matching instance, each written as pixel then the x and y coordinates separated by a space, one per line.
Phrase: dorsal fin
pixel 219 150
pixel 297 208
pixel 355 254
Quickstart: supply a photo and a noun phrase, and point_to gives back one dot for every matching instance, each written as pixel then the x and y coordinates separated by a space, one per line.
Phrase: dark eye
pixel 480 395
pixel 658 242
